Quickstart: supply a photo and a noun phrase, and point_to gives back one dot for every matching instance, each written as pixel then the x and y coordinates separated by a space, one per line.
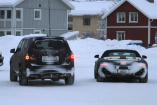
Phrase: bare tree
pixel 103 22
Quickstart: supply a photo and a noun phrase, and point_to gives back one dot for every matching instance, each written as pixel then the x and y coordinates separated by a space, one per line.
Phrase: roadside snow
pixel 85 91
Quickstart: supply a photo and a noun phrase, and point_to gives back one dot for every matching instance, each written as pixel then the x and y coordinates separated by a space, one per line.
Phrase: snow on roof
pixel 15 2
pixel 147 8
pixel 9 2
pixel 90 8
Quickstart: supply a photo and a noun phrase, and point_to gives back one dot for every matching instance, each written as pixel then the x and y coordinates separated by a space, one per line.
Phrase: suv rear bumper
pixel 49 71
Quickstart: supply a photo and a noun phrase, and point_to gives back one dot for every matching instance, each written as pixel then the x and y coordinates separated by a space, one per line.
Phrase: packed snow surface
pixel 85 91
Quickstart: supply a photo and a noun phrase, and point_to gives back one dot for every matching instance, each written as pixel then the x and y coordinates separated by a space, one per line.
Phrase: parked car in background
pixel 42 58
pixel 1 59
pixel 121 64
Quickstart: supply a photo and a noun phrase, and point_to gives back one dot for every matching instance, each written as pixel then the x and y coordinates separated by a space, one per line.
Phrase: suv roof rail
pixel 44 37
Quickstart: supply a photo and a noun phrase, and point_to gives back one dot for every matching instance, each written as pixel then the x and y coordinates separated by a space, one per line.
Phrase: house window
pixel 120 35
pixel 70 27
pixel 2 14
pixel 8 33
pixel 133 17
pixel 2 33
pixel 18 14
pixel 86 21
pixel 8 14
pixel 37 14
pixel 70 19
pixel 121 17
pixel 37 31
pixel 18 33
pixel 156 37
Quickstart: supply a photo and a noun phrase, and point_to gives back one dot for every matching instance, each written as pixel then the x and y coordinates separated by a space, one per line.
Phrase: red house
pixel 133 20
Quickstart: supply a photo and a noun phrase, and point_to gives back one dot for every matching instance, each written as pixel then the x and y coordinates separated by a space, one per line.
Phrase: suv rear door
pixel 49 51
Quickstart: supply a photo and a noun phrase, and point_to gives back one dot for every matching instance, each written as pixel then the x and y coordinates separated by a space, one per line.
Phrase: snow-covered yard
pixel 85 91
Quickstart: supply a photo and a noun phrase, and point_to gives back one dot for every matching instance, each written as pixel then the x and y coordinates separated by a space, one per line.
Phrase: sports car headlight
pixel 142 64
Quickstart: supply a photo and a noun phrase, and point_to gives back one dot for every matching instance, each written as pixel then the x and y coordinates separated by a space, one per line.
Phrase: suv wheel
pixel 23 80
pixel 12 74
pixel 70 80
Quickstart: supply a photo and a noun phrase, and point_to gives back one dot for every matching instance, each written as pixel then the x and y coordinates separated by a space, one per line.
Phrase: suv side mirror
pixel 144 57
pixel 96 56
pixel 18 49
pixel 12 51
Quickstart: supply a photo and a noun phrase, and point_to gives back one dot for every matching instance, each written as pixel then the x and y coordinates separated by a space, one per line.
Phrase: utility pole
pixel 49 18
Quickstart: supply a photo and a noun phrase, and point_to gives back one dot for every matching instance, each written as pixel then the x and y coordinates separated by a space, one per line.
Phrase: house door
pixel 120 35
pixel 156 37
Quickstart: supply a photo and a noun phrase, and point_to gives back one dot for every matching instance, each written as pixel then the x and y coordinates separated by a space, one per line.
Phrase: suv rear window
pixel 48 44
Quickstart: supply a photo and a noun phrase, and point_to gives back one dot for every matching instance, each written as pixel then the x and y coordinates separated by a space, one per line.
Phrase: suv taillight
pixel 27 57
pixel 72 57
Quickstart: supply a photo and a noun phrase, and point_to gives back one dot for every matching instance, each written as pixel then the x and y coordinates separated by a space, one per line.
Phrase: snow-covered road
pixel 85 91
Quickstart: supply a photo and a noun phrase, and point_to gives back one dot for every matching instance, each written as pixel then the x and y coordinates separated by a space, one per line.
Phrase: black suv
pixel 42 58
pixel 1 59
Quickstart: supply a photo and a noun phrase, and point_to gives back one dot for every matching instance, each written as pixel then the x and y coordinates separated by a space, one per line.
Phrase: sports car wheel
pixel 95 75
pixel 99 79
pixel 144 80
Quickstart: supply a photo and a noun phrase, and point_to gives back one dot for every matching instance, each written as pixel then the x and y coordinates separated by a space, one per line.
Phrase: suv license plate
pixel 50 58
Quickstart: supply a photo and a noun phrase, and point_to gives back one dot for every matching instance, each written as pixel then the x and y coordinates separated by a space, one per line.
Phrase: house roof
pixel 147 8
pixel 90 8
pixel 12 3
pixel 68 4
pixel 6 3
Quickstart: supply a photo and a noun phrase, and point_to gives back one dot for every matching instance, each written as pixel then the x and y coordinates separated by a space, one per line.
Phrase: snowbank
pixel 84 49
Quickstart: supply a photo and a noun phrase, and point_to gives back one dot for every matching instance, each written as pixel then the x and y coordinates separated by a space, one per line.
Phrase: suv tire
pixel 23 80
pixel 69 80
pixel 12 74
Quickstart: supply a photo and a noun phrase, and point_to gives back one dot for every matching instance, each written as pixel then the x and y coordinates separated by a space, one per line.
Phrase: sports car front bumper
pixel 134 71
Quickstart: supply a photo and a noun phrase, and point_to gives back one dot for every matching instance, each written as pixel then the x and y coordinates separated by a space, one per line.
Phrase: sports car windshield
pixel 121 54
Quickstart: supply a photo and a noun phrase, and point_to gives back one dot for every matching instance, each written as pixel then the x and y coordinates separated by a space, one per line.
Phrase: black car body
pixel 1 59
pixel 42 58
pixel 121 63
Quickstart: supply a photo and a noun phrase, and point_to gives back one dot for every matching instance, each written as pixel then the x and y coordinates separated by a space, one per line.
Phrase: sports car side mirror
pixel 144 57
pixel 12 51
pixel 96 56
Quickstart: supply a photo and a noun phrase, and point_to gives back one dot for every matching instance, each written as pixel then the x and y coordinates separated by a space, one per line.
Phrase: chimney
pixel 151 1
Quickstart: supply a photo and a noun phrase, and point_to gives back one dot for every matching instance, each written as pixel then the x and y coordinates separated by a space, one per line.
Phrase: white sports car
pixel 121 64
